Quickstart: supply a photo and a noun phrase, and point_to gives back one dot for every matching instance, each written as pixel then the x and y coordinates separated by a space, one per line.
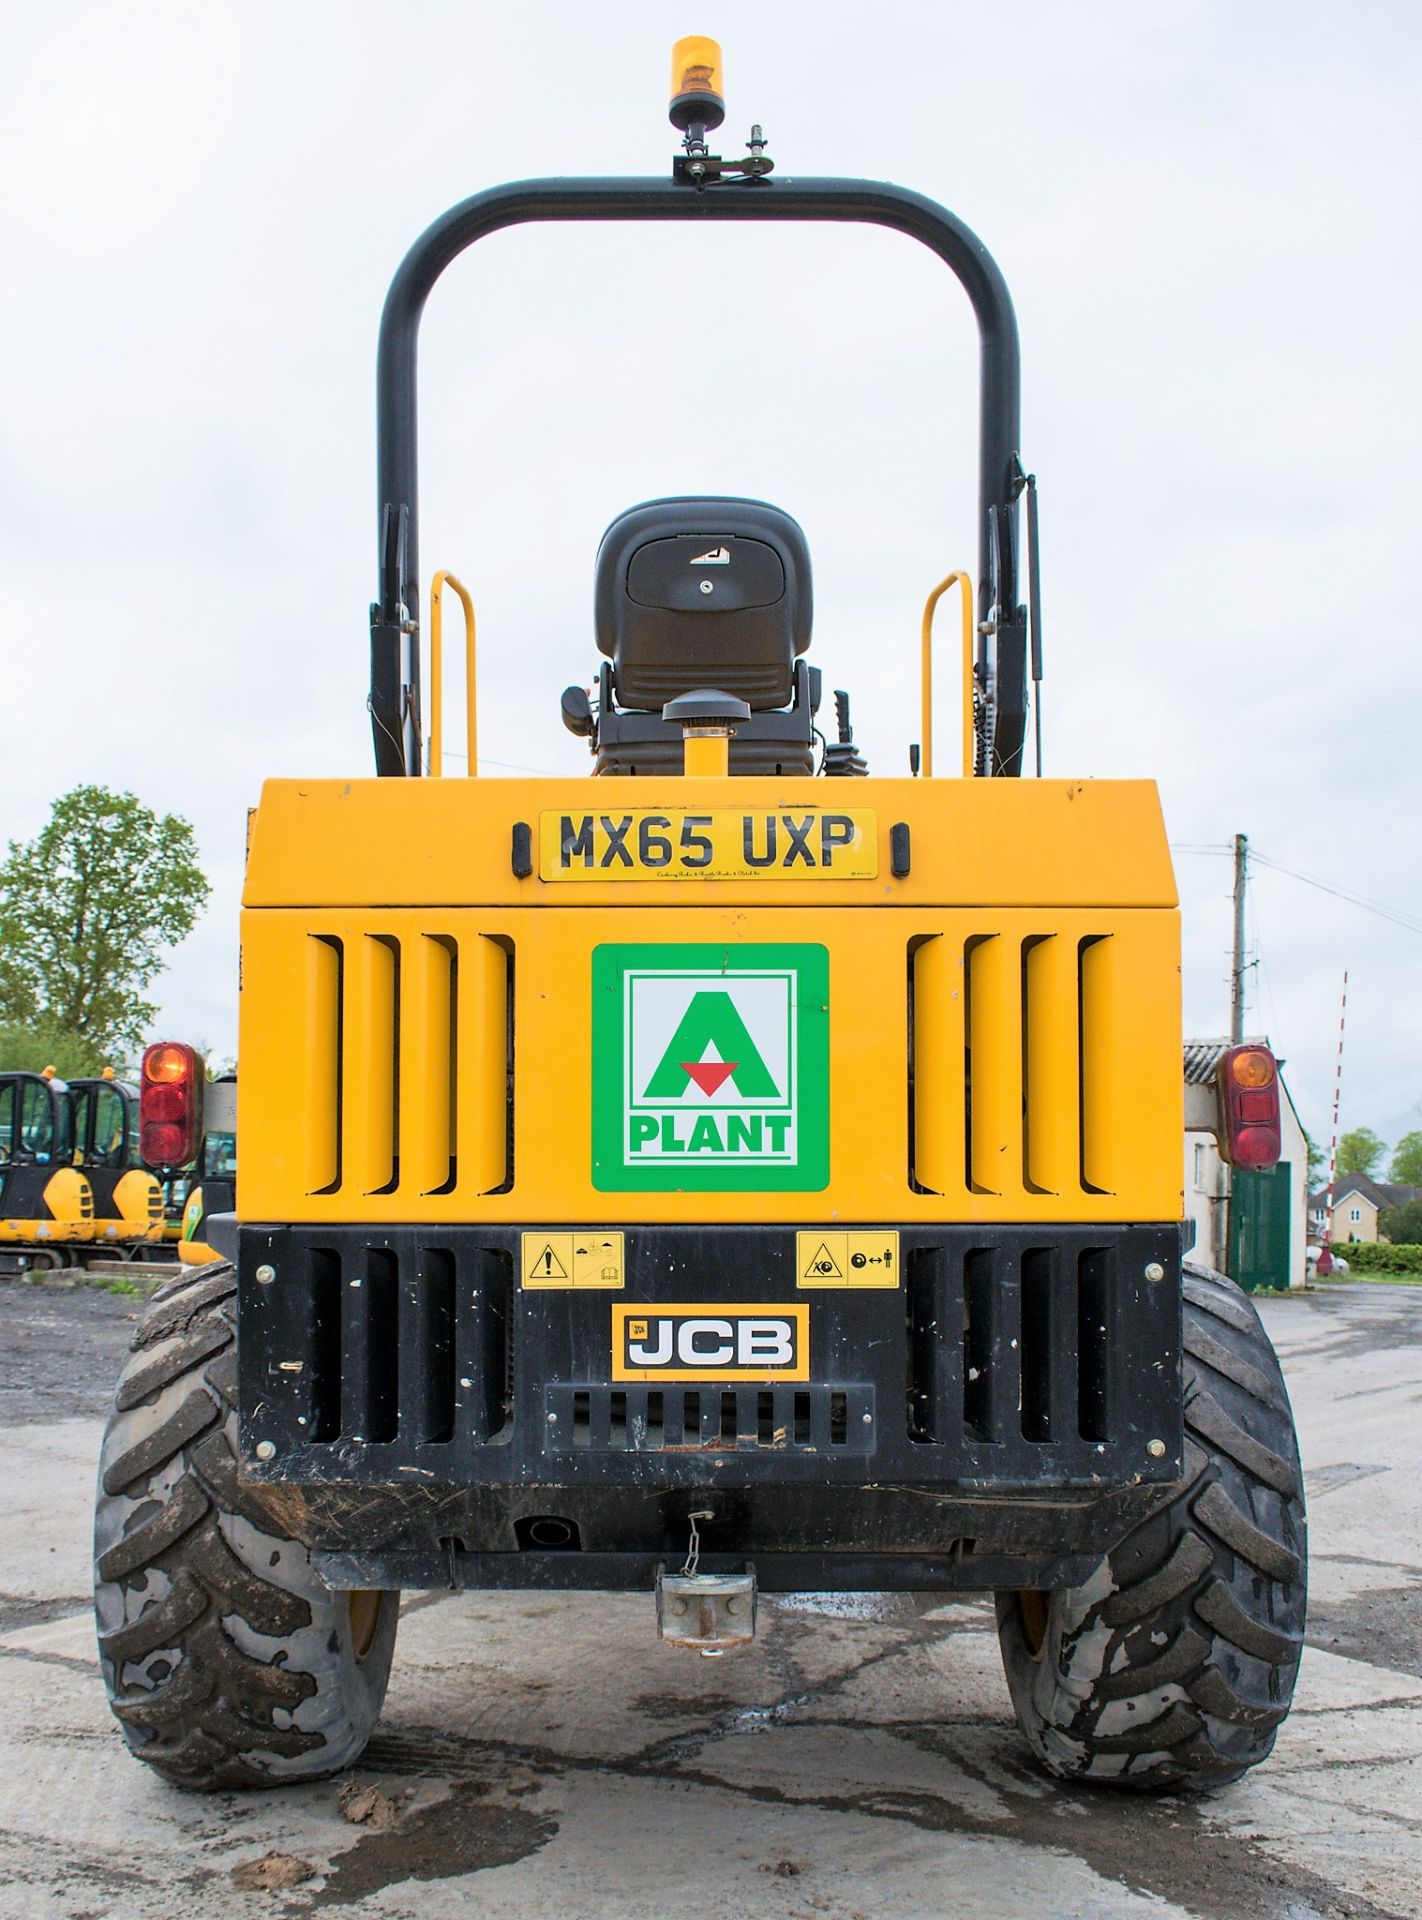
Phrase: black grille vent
pixel 1013 1345
pixel 411 1345
pixel 710 1419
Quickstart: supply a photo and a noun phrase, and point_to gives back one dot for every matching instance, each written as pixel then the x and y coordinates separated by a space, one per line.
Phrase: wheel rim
pixel 364 1608
pixel 1033 1609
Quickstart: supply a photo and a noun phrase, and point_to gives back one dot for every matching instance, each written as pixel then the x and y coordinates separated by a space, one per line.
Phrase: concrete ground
pixel 544 1756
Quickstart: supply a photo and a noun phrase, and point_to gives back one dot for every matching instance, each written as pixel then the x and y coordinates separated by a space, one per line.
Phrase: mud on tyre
pixel 1173 1666
pixel 228 1662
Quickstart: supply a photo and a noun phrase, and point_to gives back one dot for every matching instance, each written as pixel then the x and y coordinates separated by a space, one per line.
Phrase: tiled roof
pixel 1382 1193
pixel 1203 1056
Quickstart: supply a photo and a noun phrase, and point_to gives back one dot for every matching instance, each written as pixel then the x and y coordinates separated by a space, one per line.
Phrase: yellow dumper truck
pixel 731 1174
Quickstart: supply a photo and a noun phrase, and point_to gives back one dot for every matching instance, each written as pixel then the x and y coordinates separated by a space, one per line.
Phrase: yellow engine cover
pixel 138 1203
pixel 68 1216
pixel 710 999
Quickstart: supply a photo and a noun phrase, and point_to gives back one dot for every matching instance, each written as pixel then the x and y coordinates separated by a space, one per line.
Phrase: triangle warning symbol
pixel 824 1266
pixel 548 1266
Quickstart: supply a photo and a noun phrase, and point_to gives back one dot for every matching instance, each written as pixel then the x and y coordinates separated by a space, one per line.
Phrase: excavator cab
pixel 46 1202
pixel 213 1185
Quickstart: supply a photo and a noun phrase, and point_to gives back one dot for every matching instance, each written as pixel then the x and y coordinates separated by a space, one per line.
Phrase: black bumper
pixel 1015 1400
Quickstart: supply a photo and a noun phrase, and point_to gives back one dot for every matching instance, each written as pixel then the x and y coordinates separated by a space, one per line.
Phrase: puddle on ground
pixel 465 1833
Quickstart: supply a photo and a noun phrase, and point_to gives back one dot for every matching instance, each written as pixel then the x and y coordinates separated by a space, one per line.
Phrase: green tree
pixel 1406 1167
pixel 1402 1225
pixel 86 909
pixel 30 1049
pixel 1360 1151
pixel 1317 1162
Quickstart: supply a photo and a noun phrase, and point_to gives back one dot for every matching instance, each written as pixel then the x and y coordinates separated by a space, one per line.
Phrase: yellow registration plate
pixel 722 843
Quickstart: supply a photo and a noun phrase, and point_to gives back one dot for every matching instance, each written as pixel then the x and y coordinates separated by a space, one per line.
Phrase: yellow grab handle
pixel 965 581
pixel 437 673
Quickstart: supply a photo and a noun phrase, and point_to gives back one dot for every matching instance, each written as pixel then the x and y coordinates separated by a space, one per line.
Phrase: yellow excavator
pixel 212 1187
pixel 46 1202
pixel 127 1198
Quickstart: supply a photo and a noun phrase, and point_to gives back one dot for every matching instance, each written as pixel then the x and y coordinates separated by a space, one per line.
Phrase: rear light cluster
pixel 1249 1108
pixel 170 1105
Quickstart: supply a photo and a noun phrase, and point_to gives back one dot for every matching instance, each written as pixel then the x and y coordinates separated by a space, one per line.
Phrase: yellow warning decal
pixel 590 1259
pixel 723 843
pixel 832 1257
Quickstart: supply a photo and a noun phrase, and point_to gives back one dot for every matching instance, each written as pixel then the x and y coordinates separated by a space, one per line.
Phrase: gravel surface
pixel 61 1349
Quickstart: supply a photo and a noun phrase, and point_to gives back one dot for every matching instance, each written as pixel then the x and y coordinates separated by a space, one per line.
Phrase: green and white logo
pixel 711 1068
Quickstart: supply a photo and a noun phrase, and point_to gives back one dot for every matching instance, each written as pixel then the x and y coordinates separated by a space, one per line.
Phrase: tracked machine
pixel 212 1188
pixel 128 1198
pixel 733 1174
pixel 46 1202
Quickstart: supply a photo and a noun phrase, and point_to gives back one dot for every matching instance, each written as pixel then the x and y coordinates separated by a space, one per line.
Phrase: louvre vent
pixel 1007 1346
pixel 815 1419
pixel 409 1347
pixel 410 1065
pixel 1022 1066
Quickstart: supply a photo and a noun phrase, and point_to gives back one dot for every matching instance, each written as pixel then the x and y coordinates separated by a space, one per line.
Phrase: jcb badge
pixel 710 1342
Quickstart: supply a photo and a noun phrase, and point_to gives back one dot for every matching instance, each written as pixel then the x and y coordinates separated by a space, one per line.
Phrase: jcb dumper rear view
pixel 734 1174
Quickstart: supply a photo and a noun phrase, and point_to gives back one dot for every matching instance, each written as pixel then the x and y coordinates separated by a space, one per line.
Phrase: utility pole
pixel 1226 1211
pixel 1236 978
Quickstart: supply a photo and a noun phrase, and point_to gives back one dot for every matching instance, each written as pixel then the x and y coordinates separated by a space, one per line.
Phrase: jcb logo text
pixel 710 1342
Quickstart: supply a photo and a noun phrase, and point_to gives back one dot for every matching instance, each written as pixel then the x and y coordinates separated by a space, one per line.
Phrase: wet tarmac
pixel 542 1755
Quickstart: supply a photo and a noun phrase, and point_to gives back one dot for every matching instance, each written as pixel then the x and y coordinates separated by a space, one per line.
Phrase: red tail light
pixel 170 1105
pixel 1249 1108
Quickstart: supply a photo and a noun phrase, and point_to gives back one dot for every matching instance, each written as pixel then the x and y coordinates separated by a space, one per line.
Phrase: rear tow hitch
pixel 708 1613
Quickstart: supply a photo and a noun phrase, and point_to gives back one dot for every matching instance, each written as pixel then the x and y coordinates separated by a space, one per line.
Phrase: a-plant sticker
pixel 710 1068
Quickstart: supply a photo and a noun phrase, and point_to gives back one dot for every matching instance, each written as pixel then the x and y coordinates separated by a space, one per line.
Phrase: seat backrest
pixel 703 592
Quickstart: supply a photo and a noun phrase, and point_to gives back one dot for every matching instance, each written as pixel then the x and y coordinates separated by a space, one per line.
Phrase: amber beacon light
pixel 697 87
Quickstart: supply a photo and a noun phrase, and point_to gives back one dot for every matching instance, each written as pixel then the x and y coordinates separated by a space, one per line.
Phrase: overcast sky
pixel 1207 213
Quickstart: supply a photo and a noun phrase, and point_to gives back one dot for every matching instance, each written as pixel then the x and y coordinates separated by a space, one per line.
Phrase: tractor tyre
pixel 1172 1667
pixel 228 1661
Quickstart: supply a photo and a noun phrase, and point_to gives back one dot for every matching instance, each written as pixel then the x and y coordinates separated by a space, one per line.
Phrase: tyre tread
pixel 209 1713
pixel 186 1505
pixel 206 1287
pixel 1204 1626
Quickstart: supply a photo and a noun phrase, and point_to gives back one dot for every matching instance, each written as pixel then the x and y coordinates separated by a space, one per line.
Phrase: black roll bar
pixel 394 619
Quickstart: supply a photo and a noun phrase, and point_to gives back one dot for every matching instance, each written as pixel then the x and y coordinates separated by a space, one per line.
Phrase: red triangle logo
pixel 709 1074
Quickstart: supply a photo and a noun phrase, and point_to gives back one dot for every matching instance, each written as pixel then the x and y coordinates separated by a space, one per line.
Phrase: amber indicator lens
pixel 1252 1068
pixel 167 1063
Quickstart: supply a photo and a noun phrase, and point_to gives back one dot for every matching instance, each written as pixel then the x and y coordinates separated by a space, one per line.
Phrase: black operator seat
pixel 701 593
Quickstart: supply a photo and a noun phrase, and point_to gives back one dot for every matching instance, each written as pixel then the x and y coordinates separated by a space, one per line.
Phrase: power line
pixel 1384 912
pixel 512 766
pixel 1394 914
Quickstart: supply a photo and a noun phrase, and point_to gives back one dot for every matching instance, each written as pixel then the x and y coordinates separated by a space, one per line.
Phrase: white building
pixel 1208 1178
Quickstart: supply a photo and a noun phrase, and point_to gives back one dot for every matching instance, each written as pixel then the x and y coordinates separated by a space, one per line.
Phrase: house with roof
pixel 1251 1226
pixel 1357 1203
